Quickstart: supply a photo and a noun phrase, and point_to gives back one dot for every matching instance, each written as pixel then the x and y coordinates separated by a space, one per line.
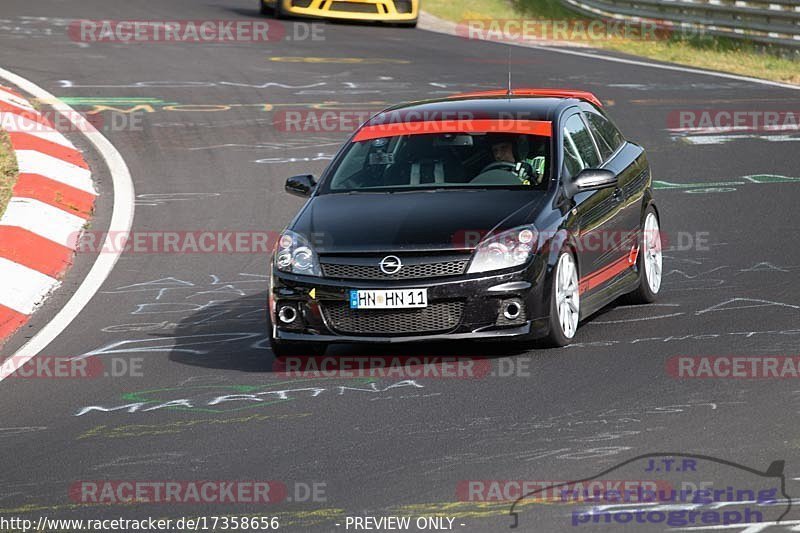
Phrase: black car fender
pixel 551 250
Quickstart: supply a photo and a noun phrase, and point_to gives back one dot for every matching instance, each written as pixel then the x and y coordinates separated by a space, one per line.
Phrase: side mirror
pixel 301 185
pixel 590 179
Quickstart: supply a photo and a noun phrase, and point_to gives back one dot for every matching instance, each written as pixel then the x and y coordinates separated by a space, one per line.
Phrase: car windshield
pixel 443 160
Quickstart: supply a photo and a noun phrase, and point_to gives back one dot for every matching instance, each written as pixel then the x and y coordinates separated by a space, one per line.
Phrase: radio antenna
pixel 510 87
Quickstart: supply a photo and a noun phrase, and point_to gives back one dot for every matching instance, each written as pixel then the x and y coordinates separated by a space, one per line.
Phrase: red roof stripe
pixel 555 93
pixel 527 127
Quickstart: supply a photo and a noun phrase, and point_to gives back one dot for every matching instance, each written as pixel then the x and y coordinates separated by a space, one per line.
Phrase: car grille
pixel 437 317
pixel 409 271
pixel 354 7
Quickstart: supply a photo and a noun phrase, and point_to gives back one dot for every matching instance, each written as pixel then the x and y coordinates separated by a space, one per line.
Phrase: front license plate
pixel 389 299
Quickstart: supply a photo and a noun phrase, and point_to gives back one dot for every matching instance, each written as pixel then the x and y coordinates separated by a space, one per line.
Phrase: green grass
pixel 547 9
pixel 714 53
pixel 8 170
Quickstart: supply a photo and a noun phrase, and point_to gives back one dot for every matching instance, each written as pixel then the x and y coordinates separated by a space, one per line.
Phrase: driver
pixel 503 151
pixel 504 148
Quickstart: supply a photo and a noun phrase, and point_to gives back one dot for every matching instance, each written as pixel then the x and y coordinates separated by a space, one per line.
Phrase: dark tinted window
pixel 579 151
pixel 607 136
pixel 435 161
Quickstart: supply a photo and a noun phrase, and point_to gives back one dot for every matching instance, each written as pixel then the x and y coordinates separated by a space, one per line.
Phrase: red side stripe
pixel 34 251
pixel 26 141
pixel 634 255
pixel 10 321
pixel 527 127
pixel 602 271
pixel 55 193
pixel 598 277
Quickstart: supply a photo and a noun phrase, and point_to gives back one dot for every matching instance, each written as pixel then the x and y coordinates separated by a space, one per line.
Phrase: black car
pixel 495 215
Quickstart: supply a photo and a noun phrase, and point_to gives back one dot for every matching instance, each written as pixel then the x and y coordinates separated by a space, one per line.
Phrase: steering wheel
pixel 500 165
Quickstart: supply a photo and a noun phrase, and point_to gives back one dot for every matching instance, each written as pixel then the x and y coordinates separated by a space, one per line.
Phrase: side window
pixel 607 136
pixel 579 151
pixel 572 159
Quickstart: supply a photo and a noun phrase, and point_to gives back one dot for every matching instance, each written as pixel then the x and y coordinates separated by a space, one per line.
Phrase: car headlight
pixel 294 254
pixel 505 250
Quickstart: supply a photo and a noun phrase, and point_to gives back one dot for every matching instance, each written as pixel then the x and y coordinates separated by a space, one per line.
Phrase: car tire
pixel 278 11
pixel 296 349
pixel 649 262
pixel 564 301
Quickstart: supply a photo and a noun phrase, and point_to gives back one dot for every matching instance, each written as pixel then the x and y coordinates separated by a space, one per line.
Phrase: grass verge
pixel 707 52
pixel 8 170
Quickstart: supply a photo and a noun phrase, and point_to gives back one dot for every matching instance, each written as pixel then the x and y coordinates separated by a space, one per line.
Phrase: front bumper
pixel 523 330
pixel 480 299
pixel 367 10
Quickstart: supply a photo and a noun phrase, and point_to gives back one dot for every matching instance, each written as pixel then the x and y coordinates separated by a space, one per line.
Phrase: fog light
pixel 512 310
pixel 287 314
pixel 512 313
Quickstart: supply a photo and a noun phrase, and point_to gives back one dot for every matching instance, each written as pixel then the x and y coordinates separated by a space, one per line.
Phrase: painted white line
pixel 25 288
pixel 44 220
pixel 721 139
pixel 715 130
pixel 121 221
pixel 56 169
pixel 436 25
pixel 676 68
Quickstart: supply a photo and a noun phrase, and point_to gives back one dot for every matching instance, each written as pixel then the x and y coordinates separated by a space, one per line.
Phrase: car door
pixel 598 221
pixel 627 160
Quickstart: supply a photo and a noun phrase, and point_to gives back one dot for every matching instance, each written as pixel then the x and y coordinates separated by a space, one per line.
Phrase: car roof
pixel 542 91
pixel 530 104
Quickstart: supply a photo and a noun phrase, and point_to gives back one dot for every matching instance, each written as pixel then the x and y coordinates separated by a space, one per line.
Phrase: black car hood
pixel 411 221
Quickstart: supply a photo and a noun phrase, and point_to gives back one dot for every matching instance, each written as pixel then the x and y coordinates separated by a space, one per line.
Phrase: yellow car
pixel 400 12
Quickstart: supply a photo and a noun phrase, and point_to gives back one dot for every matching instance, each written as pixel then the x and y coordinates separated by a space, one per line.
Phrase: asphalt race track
pixel 207 156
